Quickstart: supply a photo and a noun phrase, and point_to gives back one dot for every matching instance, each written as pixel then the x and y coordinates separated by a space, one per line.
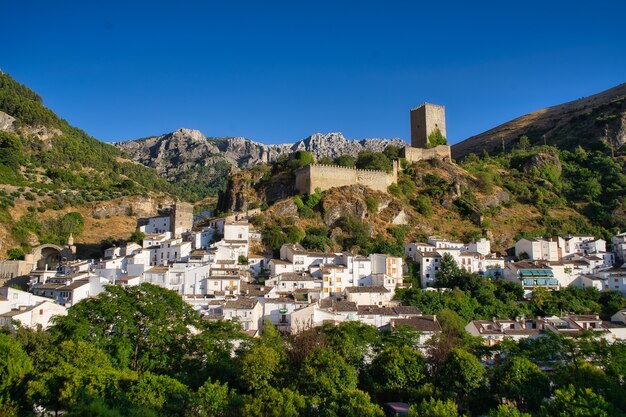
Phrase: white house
pixel 411 249
pixel 154 225
pixel 614 279
pixel 32 316
pixel 16 299
pixel 429 265
pixel 248 311
pixel 391 266
pixel 619 247
pixel 368 295
pixel 537 249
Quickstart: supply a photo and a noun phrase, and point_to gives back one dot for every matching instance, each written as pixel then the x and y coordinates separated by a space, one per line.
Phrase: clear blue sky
pixel 278 71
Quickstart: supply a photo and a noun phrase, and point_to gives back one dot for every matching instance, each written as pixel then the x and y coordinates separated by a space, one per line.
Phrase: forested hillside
pixel 49 168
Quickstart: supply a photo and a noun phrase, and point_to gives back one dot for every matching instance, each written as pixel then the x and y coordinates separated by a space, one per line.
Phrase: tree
pixel 326 374
pixel 345 161
pixel 373 160
pixel 521 381
pixel 16 254
pixel 355 403
pixel 137 236
pixel 15 366
pixel 352 340
pixel 70 372
pixel 436 138
pixel 462 374
pixel 301 158
pixel 160 393
pixel 272 402
pixel 434 408
pixel 504 411
pixel 211 400
pixel 392 152
pixel 258 366
pixel 395 371
pixel 448 272
pixel 144 327
pixel 576 402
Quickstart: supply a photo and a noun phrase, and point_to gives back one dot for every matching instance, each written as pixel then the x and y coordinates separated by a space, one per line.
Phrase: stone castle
pixel 310 177
pixel 425 119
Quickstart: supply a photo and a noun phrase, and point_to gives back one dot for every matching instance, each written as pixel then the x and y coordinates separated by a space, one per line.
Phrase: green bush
pixel 16 254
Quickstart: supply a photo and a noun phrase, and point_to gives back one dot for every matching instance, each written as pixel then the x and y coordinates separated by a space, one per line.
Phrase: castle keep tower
pixel 424 120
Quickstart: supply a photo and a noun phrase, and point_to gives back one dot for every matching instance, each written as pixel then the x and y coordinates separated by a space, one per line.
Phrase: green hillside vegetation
pixel 69 160
pixel 592 181
pixel 152 355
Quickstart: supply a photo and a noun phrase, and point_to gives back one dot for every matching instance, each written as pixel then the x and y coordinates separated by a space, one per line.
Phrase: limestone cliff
pixel 185 149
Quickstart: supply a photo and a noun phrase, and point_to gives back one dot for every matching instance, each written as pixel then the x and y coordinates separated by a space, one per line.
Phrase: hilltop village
pixel 222 271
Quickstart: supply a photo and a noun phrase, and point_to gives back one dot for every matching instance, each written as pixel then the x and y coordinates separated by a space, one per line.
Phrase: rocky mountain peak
pixel 192 134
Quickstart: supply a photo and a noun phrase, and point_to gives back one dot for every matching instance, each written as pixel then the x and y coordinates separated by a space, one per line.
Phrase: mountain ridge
pixel 244 152
pixel 586 121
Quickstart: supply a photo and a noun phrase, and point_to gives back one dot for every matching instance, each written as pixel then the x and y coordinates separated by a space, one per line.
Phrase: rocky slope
pixel 588 121
pixel 186 149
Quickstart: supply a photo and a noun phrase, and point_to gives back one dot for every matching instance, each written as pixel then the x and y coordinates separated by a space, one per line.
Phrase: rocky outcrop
pixel 186 149
pixel 585 122
pixel 6 122
pixel 135 206
pixel 543 160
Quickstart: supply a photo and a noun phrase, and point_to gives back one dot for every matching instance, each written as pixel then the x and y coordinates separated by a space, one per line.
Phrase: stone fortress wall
pixel 310 177
pixel 425 119
pixel 412 154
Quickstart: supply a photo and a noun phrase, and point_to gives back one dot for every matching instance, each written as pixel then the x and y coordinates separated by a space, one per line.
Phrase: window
pixel 41 311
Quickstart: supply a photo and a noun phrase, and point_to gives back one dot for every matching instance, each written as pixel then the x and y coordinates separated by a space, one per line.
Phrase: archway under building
pixel 49 256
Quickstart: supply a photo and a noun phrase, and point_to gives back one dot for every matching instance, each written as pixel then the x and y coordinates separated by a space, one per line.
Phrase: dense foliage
pixel 592 181
pixel 69 158
pixel 474 297
pixel 141 351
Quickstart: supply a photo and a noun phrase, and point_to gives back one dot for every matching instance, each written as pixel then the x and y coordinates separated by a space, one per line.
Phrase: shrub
pixel 16 254
pixel 372 204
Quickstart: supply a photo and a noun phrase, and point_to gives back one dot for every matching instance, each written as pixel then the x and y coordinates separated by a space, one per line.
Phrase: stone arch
pixel 48 256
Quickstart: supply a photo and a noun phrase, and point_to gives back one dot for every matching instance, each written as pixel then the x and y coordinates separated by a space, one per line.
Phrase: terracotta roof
pixel 296 276
pixel 158 269
pixel 76 284
pixel 242 303
pixel 367 289
pixel 345 306
pixel 407 310
pixel 376 310
pixel 419 323
pixel 584 317
pixel 280 262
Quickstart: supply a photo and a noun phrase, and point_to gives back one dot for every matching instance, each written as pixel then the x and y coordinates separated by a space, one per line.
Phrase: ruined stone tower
pixel 424 120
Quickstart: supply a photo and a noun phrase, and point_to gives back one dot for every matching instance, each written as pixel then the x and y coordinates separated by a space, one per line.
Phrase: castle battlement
pixel 425 104
pixel 322 176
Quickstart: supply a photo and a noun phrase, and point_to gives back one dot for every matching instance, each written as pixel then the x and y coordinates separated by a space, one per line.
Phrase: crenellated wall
pixel 310 177
pixel 412 154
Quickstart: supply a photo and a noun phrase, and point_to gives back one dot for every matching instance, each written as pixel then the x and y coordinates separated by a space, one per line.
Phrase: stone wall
pixel 424 120
pixel 412 154
pixel 310 177
pixel 181 218
pixel 12 269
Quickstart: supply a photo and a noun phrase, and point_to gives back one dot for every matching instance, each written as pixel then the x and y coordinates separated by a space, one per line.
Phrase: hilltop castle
pixel 426 120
